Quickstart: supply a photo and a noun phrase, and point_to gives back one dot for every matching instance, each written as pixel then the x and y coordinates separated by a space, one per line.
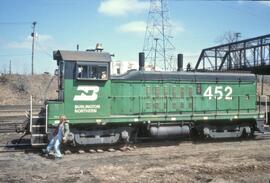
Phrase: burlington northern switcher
pixel 106 109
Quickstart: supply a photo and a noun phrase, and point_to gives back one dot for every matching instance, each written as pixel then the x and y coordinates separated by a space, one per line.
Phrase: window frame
pixel 91 64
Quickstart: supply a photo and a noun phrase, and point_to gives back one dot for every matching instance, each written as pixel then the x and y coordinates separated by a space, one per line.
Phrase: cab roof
pixel 88 56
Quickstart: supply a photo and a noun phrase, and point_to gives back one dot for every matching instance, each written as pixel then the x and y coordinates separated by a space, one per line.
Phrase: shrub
pixel 21 84
pixel 3 79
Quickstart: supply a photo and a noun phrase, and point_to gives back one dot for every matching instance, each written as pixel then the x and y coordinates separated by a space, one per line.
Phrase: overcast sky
pixel 119 25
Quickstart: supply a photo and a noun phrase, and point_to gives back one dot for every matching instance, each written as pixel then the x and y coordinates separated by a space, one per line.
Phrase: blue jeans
pixel 55 143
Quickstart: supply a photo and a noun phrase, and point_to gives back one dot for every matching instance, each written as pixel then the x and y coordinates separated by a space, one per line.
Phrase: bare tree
pixel 230 37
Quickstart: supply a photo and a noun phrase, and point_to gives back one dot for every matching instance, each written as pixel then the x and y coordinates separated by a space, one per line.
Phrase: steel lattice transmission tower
pixel 158 47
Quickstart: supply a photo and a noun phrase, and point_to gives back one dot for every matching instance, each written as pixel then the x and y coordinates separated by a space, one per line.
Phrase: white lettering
pixel 208 93
pixel 86 108
pixel 218 93
pixel 228 96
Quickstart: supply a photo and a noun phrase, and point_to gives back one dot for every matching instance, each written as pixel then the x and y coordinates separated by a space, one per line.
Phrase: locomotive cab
pixel 81 73
pixel 83 91
pixel 81 66
pixel 83 79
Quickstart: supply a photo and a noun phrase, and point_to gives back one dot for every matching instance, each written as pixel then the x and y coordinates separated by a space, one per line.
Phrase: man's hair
pixel 62 117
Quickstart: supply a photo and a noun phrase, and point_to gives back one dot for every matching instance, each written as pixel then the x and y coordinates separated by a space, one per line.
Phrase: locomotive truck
pixel 106 109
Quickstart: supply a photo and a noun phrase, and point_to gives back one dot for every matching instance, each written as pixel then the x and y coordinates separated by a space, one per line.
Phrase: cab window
pixel 92 71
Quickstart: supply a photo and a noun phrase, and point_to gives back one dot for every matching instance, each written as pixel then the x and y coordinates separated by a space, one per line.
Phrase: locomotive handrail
pixel 171 96
pixel 31 113
pixel 238 106
pixel 46 120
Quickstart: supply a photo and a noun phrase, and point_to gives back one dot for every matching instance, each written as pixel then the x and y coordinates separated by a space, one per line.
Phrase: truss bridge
pixel 252 55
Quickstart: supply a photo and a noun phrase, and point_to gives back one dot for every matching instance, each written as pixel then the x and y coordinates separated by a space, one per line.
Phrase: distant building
pixel 121 67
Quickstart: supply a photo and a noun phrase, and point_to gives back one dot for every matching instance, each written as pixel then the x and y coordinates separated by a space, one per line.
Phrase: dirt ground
pixel 169 161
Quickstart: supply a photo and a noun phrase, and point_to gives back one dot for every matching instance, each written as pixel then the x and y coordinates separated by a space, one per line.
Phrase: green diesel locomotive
pixel 106 109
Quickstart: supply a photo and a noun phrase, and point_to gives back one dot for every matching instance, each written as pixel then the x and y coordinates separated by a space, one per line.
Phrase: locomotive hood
pixel 184 76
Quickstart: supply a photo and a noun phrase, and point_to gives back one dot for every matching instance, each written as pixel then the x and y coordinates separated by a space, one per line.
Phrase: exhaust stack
pixel 180 62
pixel 141 61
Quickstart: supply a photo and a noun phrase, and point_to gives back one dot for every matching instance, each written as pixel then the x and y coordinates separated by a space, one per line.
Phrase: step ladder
pixel 264 101
pixel 38 128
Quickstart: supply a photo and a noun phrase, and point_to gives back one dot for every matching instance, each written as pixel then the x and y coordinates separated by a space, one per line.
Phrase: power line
pixel 14 55
pixel 15 23
pixel 44 50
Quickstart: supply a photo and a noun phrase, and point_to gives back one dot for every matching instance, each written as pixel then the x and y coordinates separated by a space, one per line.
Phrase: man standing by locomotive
pixel 59 136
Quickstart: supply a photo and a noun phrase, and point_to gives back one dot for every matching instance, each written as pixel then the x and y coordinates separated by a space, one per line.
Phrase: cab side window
pixel 92 71
pixel 82 71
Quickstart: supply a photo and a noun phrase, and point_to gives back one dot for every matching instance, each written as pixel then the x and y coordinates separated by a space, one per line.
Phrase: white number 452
pixel 219 93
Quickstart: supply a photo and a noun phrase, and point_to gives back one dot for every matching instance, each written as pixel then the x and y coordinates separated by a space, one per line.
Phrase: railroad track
pixel 8 148
pixel 18 107
pixel 9 124
pixel 13 143
pixel 13 115
pixel 26 147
